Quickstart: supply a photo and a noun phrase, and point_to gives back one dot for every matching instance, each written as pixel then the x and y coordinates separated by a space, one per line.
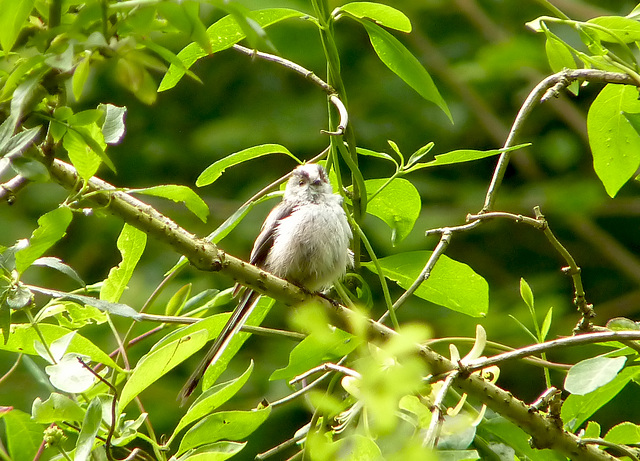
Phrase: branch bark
pixel 206 256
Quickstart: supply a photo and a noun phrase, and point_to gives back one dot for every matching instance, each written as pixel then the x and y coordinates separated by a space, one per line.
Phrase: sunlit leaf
pixel 228 425
pixel 212 398
pixel 223 34
pixel 615 144
pixel 397 58
pixel 214 171
pixel 52 226
pixel 157 363
pixel 590 374
pixel 452 284
pixel 88 431
pixel 381 14
pixel 57 407
pixel 624 29
pixel 12 20
pixel 179 194
pixel 131 244
pixel 398 205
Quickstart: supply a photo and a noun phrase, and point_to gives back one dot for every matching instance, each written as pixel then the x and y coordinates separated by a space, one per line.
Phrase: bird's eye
pixel 301 182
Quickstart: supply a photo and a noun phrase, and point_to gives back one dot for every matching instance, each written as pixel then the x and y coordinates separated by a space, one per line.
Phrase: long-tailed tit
pixel 305 240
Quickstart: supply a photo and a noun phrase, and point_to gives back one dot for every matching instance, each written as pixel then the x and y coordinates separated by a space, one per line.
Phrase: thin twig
pixel 326 367
pixel 621 448
pixel 586 338
pixel 431 437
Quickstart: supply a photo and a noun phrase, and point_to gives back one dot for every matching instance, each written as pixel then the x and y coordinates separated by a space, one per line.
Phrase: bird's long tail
pixel 234 324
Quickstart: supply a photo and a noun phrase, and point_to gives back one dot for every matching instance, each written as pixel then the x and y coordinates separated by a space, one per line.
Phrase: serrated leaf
pixel 83 158
pixel 12 145
pixel 398 205
pixel 179 194
pixel 23 336
pixel 57 264
pixel 399 60
pixel 158 362
pixel 625 433
pixel 113 127
pixel 383 15
pixel 452 284
pixel 214 171
pixel 90 427
pixel 211 399
pixel 131 244
pixel 52 226
pixel 614 142
pixel 230 425
pixel 590 374
pixel 222 35
pixel 57 407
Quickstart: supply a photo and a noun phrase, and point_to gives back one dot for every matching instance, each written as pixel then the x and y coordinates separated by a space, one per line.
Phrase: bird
pixel 305 240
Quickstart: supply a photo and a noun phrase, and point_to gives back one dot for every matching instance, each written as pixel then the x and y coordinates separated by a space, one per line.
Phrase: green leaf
pixel 52 226
pixel 158 362
pixel 31 169
pixel 13 18
pixel 131 244
pixel 624 433
pixel 465 155
pixel 179 194
pixel 590 374
pixel 371 153
pixel 558 54
pixel 57 264
pixel 218 451
pixel 417 155
pixel 228 425
pixel 18 296
pixel 121 310
pixel 90 426
pixel 381 14
pixel 625 29
pixel 178 300
pixel 578 408
pixel 399 60
pixel 10 144
pixel 56 408
pixel 314 350
pixel 23 435
pixel 222 35
pixel 211 399
pixel 615 144
pixel 113 127
pixel 526 294
pixel 546 324
pixel 361 448
pixel 264 305
pixel 398 205
pixel 592 430
pixel 80 75
pixel 198 30
pixel 214 171
pixel 452 284
pixel 85 160
pixel 23 336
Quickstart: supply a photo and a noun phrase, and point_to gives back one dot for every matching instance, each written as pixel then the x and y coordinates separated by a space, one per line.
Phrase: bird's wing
pixel 264 241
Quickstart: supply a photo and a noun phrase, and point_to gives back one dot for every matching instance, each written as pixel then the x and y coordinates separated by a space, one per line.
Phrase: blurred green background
pixel 484 61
